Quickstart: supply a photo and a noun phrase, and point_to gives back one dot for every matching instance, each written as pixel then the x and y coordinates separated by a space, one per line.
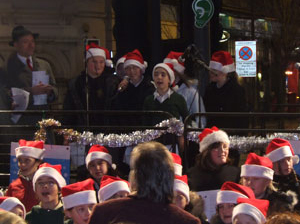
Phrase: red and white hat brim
pixel 167 68
pixel 251 170
pixel 79 198
pixel 98 155
pixel 220 67
pixel 183 188
pixel 120 61
pixel 281 153
pixel 251 210
pixel 33 152
pixel 109 190
pixel 228 197
pixel 11 202
pixel 177 169
pixel 216 136
pixel 93 52
pixel 49 172
pixel 136 63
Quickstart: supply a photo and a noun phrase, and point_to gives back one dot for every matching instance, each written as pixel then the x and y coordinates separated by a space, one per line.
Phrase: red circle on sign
pixel 245 53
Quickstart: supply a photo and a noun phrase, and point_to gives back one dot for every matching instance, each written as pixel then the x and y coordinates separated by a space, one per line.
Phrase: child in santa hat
pixel 165 98
pixel 186 86
pixel 257 173
pixel 29 155
pixel 112 188
pixel 212 168
pixel 224 94
pixel 47 184
pixel 227 199
pixel 188 200
pixel 99 163
pixel 250 211
pixel 281 153
pixel 13 205
pixel 78 201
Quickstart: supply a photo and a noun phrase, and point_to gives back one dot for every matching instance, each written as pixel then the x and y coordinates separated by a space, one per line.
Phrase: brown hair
pixel 284 218
pixel 152 172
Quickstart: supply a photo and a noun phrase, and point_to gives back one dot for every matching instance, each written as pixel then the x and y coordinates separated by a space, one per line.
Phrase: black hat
pixel 20 31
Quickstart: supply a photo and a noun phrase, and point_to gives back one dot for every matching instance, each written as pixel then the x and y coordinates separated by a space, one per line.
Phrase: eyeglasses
pixel 48 183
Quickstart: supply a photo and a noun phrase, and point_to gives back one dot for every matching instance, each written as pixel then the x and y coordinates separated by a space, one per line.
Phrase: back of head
pixel 284 218
pixel 152 172
pixel 10 218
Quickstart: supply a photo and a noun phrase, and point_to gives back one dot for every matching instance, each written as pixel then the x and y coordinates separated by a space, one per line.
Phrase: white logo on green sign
pixel 204 10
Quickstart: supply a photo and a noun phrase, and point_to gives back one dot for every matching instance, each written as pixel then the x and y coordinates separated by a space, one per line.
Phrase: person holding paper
pixel 27 72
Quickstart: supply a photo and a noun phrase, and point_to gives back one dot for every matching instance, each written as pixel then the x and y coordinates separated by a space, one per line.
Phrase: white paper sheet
pixel 20 98
pixel 39 77
pixel 210 203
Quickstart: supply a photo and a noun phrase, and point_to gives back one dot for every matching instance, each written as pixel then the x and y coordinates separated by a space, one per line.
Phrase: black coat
pixel 204 180
pixel 101 95
pixel 228 98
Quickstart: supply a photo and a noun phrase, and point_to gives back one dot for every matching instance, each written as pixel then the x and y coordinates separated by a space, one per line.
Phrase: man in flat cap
pixel 30 73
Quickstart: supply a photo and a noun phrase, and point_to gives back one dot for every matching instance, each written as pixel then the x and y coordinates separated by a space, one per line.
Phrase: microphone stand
pixel 86 85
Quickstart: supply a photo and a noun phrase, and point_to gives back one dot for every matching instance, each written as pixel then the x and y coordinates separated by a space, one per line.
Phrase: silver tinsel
pixel 174 126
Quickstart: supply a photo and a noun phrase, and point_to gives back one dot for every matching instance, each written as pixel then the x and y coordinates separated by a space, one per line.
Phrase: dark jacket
pixel 203 180
pixel 132 210
pixel 19 75
pixel 101 94
pixel 216 220
pixel 228 98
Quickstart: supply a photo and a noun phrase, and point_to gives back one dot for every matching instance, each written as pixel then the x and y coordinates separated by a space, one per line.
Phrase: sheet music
pixel 21 99
pixel 209 198
pixel 39 77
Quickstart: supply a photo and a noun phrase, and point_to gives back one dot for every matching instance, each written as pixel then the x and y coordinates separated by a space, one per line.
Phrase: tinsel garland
pixel 173 126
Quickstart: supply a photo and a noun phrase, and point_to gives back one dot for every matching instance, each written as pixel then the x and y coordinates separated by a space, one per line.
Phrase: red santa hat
pixel 175 59
pixel 8 203
pixel 169 68
pixel 93 50
pixel 79 193
pixel 231 191
pixel 279 149
pixel 222 61
pixel 181 185
pixel 121 60
pixel 98 152
pixel 34 149
pixel 256 208
pixel 177 164
pixel 135 58
pixel 257 166
pixel 111 185
pixel 49 170
pixel 211 135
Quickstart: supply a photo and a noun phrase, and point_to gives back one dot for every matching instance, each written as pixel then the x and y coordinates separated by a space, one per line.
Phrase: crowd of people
pixel 157 189
pixel 264 189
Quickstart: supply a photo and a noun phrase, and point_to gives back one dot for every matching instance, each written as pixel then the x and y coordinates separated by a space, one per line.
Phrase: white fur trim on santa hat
pixel 36 153
pixel 177 169
pixel 49 172
pixel 168 69
pixel 136 63
pixel 120 61
pixel 11 202
pixel 183 188
pixel 79 198
pixel 98 155
pixel 282 153
pixel 228 197
pixel 251 210
pixel 109 190
pixel 219 67
pixel 93 52
pixel 248 170
pixel 179 68
pixel 216 136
